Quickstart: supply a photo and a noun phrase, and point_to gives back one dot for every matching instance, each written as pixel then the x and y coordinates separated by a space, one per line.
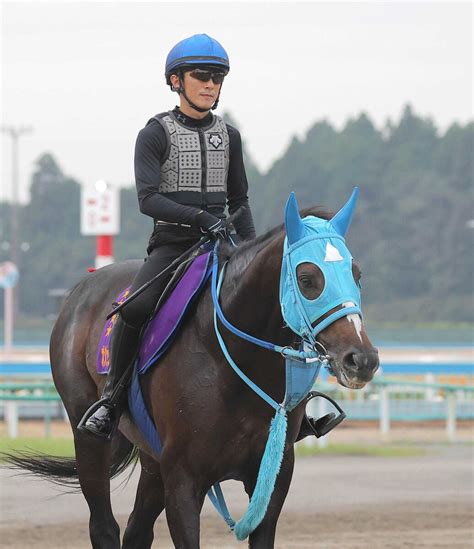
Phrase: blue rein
pixel 309 240
pixel 216 288
pixel 296 360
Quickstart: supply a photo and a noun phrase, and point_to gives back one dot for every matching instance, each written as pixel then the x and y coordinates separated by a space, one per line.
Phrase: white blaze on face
pixel 355 319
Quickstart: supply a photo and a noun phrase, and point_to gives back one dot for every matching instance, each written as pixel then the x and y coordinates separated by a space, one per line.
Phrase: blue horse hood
pixel 320 242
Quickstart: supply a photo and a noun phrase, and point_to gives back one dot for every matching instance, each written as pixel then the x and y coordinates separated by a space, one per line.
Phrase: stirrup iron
pixel 326 423
pixel 104 401
pixel 113 401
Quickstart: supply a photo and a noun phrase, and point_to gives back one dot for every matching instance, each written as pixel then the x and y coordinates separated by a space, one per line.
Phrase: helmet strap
pixel 217 100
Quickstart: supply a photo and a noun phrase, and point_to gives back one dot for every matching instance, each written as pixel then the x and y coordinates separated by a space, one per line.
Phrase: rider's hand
pixel 212 225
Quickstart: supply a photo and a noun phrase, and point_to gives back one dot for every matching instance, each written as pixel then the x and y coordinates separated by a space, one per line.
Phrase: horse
pixel 212 426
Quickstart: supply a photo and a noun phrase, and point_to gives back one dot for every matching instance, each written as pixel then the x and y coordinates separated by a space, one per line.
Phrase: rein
pixel 302 368
pixel 286 351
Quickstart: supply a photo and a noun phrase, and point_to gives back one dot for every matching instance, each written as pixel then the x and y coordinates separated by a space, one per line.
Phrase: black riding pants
pixel 165 247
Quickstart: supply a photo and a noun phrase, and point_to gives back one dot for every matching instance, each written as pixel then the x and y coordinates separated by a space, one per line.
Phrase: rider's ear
pixel 343 218
pixel 293 224
pixel 175 83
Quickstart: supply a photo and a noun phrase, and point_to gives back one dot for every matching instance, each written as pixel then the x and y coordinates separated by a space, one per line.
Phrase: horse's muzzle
pixel 357 367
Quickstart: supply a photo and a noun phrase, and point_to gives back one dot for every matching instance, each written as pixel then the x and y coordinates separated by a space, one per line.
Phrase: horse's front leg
pixel 184 498
pixel 149 502
pixel 263 537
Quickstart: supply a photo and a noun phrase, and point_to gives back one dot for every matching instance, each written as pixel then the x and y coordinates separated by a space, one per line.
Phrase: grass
pixel 359 450
pixel 62 447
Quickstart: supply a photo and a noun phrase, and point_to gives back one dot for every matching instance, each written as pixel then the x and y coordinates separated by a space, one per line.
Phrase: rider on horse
pixel 188 165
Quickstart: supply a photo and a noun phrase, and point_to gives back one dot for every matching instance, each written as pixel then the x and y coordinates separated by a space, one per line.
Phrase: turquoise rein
pixel 309 240
pixel 273 454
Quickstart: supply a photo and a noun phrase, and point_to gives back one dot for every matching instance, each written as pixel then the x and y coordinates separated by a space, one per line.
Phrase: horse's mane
pixel 241 256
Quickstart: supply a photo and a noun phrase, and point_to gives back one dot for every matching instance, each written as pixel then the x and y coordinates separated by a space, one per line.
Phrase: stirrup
pixel 326 423
pixel 104 401
pixel 113 401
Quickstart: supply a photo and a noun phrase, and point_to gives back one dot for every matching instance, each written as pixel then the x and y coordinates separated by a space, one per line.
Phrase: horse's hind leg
pixel 263 537
pixel 93 458
pixel 149 502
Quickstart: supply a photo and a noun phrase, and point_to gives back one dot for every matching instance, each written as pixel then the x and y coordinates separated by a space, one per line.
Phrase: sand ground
pixel 334 501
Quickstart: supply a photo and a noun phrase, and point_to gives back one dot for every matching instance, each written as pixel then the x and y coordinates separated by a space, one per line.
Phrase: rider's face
pixel 202 94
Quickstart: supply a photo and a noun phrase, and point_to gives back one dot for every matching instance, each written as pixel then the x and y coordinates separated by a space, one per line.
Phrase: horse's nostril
pixel 349 361
pixel 361 361
pixel 367 361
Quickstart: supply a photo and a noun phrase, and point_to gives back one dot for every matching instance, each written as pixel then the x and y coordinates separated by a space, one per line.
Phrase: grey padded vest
pixel 196 164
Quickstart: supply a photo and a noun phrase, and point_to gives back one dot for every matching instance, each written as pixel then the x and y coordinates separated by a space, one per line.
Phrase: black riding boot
pixel 106 411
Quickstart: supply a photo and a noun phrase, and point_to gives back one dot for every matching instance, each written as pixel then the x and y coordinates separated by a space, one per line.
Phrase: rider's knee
pixel 134 315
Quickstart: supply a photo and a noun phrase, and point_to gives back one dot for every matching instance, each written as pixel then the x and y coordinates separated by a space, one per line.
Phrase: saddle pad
pixel 161 330
pixel 103 351
pixel 141 416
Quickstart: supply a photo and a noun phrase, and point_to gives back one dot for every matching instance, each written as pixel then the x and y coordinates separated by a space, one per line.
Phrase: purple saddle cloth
pixel 156 340
pixel 161 330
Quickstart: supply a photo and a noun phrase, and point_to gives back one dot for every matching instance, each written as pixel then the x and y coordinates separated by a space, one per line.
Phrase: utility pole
pixel 15 132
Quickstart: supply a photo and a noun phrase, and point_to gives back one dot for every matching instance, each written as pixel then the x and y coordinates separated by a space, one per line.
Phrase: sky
pixel 86 76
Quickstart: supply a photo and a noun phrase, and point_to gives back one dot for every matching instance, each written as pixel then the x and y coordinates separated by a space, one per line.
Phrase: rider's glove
pixel 212 225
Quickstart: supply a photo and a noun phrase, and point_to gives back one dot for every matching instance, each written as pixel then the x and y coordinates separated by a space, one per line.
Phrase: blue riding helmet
pixel 321 242
pixel 199 49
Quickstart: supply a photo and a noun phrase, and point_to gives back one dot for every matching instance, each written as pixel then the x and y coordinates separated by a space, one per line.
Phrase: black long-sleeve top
pixel 150 149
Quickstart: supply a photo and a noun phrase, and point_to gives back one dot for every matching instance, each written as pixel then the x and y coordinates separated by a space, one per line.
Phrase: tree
pixel 411 234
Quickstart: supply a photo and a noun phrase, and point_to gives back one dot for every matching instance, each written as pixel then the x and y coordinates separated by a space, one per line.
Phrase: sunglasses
pixel 205 76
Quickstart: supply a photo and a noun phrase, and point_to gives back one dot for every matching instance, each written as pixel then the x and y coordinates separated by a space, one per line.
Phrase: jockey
pixel 188 165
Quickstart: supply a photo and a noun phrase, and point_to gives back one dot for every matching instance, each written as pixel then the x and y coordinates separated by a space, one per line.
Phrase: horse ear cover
pixel 295 229
pixel 343 218
pixel 341 221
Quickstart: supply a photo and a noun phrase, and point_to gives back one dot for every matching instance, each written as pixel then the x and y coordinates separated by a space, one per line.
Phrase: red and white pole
pixel 100 217
pixel 104 254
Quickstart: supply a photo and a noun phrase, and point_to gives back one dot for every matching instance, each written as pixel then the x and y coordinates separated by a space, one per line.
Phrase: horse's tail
pixel 63 471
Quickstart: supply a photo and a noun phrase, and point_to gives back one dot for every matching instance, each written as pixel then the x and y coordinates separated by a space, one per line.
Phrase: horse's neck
pixel 250 293
pixel 250 301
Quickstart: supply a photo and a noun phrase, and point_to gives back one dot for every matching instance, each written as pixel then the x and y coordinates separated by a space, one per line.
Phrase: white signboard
pixel 100 210
pixel 8 274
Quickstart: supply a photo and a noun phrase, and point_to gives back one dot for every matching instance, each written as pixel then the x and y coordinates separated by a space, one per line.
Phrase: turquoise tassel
pixel 269 469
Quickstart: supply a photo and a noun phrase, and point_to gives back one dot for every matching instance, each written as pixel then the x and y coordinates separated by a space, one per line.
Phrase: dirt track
pixel 344 502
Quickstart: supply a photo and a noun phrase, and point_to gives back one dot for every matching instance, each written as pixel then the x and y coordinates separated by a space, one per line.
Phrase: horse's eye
pixel 310 280
pixel 305 281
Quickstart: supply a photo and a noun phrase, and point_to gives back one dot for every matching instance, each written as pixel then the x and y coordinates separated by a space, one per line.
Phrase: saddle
pixel 185 285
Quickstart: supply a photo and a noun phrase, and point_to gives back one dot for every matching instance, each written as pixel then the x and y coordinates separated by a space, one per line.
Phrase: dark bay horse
pixel 212 426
